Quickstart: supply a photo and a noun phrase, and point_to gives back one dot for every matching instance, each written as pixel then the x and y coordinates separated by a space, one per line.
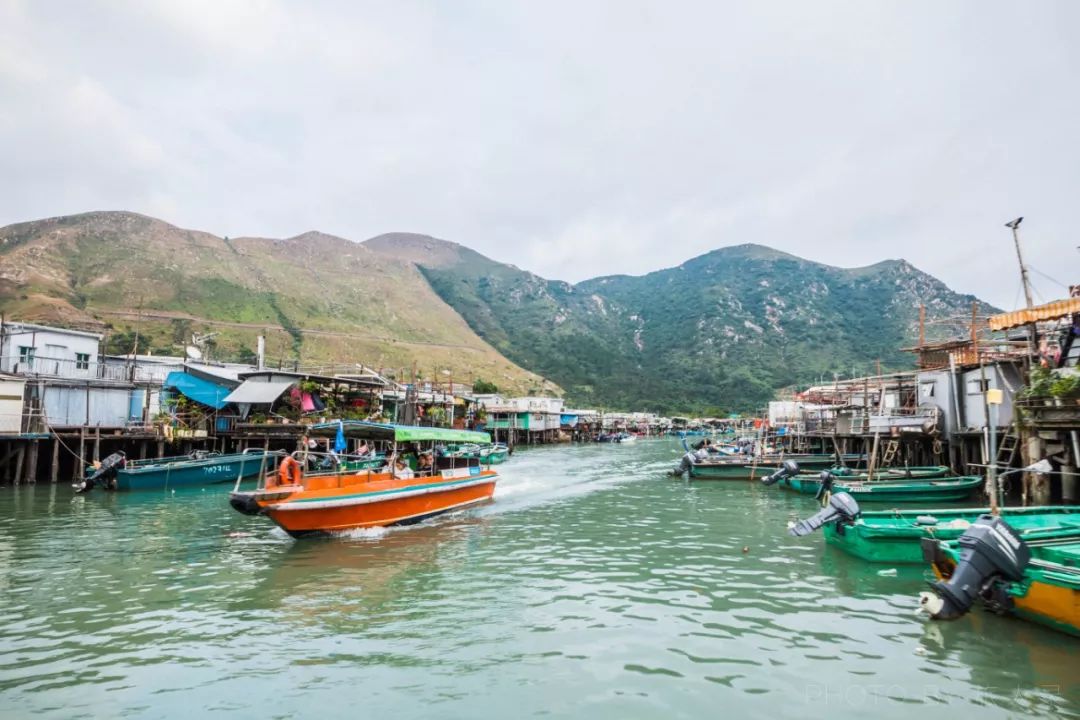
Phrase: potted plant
pixel 1065 386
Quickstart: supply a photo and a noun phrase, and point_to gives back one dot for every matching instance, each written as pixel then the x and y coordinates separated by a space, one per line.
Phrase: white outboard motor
pixel 105 475
pixel 991 551
pixel 840 507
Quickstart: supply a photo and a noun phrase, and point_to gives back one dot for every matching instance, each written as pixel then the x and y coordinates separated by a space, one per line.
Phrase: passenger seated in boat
pixel 363 450
pixel 402 470
pixel 426 464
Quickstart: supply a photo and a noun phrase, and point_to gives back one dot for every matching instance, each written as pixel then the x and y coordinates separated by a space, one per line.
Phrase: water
pixel 593 587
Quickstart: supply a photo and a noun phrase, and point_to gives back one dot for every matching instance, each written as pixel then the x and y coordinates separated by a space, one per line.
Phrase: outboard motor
pixel 840 506
pixel 789 468
pixel 990 550
pixel 105 474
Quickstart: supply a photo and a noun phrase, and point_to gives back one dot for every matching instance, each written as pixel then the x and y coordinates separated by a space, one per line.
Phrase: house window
pixel 82 361
pixel 926 389
pixel 26 354
pixel 978 386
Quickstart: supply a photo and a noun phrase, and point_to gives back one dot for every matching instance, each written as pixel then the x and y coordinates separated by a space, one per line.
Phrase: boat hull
pixel 893 491
pixel 894 536
pixel 193 473
pixel 745 469
pixel 348 503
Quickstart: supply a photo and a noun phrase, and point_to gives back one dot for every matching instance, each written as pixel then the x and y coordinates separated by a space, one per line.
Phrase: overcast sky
pixel 572 139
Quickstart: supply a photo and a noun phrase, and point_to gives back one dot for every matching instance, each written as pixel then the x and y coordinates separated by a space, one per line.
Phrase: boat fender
pixel 926 520
pixel 990 550
pixel 289 471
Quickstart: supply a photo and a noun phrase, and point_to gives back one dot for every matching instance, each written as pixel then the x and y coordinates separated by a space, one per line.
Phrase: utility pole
pixel 1023 268
pixel 1032 330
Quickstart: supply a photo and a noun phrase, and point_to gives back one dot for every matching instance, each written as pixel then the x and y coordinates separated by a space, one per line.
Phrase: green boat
pixel 892 536
pixel 1036 579
pixel 727 467
pixel 810 483
pixel 492 454
pixel 198 468
pixel 929 491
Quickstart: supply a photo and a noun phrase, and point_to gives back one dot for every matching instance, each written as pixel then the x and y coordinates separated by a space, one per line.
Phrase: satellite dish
pixel 193 352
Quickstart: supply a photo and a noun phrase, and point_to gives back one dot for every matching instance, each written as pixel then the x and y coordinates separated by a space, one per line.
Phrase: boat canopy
pixel 396 433
pixel 200 390
pixel 259 392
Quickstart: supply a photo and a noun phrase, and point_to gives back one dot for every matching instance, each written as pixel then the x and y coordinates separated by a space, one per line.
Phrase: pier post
pixel 142 450
pixel 54 469
pixel 31 462
pixel 97 443
pixel 161 448
pixel 19 463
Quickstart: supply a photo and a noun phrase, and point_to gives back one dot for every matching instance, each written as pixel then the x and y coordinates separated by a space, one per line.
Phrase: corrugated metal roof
pixel 258 392
pixel 1050 311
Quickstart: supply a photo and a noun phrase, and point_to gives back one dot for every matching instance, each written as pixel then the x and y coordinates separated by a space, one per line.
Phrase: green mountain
pixel 316 297
pixel 722 331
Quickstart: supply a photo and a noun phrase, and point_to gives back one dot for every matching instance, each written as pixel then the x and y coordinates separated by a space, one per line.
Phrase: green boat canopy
pixel 396 433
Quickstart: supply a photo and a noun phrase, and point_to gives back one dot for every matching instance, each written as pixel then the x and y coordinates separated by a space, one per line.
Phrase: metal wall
pixel 96 406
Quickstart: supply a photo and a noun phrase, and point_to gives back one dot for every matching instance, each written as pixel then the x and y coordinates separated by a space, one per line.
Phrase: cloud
pixel 570 139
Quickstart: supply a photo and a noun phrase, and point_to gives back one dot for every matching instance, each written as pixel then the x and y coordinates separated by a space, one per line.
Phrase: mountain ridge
pixel 722 330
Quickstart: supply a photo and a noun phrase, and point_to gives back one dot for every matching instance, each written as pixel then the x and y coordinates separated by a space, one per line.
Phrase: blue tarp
pixel 197 389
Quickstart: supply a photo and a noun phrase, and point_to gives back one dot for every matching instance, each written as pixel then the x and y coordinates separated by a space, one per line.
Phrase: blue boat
pixel 198 468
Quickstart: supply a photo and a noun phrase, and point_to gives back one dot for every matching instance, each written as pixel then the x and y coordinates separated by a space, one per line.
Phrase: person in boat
pixel 363 450
pixel 426 464
pixel 402 471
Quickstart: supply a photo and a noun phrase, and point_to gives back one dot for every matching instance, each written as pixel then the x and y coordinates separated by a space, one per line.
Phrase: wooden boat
pixel 198 468
pixel 810 482
pixel 892 536
pixel 928 491
pixel 489 454
pixel 743 467
pixel 305 503
pixel 1034 579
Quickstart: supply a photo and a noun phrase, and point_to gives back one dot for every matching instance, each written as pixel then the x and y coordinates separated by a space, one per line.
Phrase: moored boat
pixel 927 491
pixel 892 536
pixel 116 472
pixel 1034 579
pixel 810 482
pixel 304 503
pixel 746 467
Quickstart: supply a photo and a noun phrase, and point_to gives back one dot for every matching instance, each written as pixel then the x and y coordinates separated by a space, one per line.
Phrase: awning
pixel 258 392
pixel 1040 313
pixel 397 433
pixel 196 388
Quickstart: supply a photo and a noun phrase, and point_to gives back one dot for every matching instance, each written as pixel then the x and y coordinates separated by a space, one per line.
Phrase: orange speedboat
pixel 336 499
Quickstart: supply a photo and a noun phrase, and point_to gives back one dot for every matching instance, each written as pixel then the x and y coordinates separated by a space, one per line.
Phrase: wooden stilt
pixel 19 463
pixel 161 448
pixel 31 462
pixel 97 444
pixel 54 470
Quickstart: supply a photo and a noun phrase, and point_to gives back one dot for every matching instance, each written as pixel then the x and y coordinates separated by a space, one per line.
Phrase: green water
pixel 593 587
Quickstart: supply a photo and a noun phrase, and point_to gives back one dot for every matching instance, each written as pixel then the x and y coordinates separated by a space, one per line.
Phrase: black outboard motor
pixel 990 550
pixel 789 468
pixel 841 506
pixel 105 475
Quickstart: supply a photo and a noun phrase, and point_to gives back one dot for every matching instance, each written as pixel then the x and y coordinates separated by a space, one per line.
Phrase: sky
pixel 572 139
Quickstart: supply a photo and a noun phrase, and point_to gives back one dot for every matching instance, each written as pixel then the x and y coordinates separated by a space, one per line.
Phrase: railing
pixel 39 366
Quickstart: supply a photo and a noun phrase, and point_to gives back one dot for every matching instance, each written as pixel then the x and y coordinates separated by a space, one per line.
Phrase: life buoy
pixel 289 471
